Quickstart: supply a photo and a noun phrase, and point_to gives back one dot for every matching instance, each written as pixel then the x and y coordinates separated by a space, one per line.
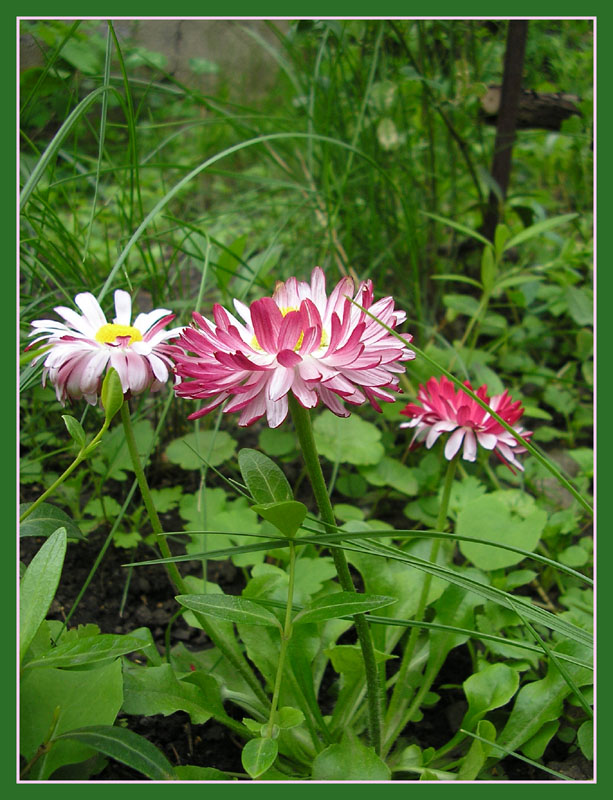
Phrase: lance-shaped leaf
pixel 45 520
pixel 230 608
pixel 75 429
pixel 286 516
pixel 88 650
pixel 264 479
pixel 38 587
pixel 341 604
pixel 127 747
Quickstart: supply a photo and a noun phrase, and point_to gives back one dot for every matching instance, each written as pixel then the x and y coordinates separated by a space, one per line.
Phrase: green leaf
pixel 197 449
pixel 156 690
pixel 459 279
pixel 349 760
pixel 258 755
pixel 288 717
pixel 166 499
pixel 540 702
pixel 347 441
pixel 340 604
pixel 229 608
pixel 125 746
pixel 84 697
pixel 277 442
pixel 585 738
pixel 501 237
pixel 536 413
pixel 286 516
pixel 456 225
pixel 488 269
pixel 45 519
pixel 540 227
pixel 462 304
pixel 574 556
pixel 490 518
pixel 112 458
pixel 490 688
pixel 473 761
pixel 202 66
pixel 264 479
pixel 390 472
pixel 38 587
pixel 75 429
pixel 111 394
pixel 82 56
pixel 190 772
pixel 395 579
pixel 536 746
pixel 88 650
pixel 580 305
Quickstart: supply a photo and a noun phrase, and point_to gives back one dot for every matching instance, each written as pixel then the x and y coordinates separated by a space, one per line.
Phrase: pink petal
pixel 331 400
pixel 288 358
pixel 267 319
pixel 290 330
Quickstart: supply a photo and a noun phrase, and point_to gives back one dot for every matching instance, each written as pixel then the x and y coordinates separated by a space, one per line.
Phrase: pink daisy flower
pixel 319 347
pixel 445 410
pixel 79 352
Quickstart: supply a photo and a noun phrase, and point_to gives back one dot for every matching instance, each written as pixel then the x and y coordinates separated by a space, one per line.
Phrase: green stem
pixel 286 635
pixel 304 430
pixel 171 568
pixel 81 456
pixel 396 717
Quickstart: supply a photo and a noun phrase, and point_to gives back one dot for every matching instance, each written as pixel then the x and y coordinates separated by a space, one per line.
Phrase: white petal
pixel 91 308
pixel 487 440
pixel 119 363
pixel 160 370
pixel 138 372
pixel 470 446
pixel 442 426
pixel 244 312
pixel 276 411
pixel 82 324
pixel 453 443
pixel 91 372
pixel 145 321
pixel 123 307
pixel 279 384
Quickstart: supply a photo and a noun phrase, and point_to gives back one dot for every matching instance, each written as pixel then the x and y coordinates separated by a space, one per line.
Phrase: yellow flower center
pixel 108 333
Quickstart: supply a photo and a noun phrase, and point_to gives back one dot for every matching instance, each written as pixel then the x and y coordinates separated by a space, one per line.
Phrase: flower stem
pixel 396 717
pixel 286 635
pixel 173 573
pixel 304 430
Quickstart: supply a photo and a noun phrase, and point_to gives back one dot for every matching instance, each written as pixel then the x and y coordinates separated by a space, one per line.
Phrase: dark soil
pixel 149 602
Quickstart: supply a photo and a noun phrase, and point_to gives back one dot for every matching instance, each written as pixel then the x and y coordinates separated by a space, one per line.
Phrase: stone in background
pixel 245 66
